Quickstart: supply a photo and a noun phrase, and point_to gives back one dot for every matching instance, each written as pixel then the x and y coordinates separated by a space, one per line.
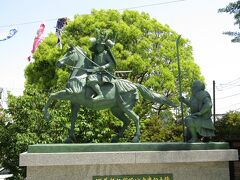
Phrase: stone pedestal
pixel 183 164
pixel 235 166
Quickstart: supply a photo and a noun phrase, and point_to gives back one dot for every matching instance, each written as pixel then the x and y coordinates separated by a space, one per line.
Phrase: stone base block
pixel 182 164
pixel 180 171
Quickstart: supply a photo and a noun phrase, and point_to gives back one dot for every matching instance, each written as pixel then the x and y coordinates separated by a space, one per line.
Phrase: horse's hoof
pixel 68 141
pixel 135 140
pixel 193 140
pixel 47 116
pixel 114 140
pixel 71 139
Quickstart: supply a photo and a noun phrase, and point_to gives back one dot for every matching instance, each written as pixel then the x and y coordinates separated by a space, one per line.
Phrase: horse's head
pixel 70 58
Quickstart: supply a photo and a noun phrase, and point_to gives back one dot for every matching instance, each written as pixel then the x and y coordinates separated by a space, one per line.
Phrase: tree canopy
pixel 142 45
pixel 233 8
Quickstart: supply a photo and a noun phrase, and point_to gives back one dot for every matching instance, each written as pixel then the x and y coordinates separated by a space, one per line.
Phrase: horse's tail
pixel 153 97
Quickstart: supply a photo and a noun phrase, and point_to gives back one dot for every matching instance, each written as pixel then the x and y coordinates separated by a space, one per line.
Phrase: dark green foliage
pixel 228 127
pixel 157 130
pixel 21 125
pixel 233 8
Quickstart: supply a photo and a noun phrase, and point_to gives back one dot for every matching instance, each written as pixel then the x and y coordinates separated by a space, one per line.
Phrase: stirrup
pixel 98 97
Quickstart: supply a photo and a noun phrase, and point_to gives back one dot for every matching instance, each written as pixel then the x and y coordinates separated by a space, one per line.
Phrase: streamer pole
pixel 180 85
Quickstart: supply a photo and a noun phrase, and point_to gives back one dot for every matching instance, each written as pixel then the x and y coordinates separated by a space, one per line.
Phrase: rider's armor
pixel 104 66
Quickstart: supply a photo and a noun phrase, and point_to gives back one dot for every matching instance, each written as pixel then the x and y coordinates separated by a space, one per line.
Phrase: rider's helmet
pixel 102 39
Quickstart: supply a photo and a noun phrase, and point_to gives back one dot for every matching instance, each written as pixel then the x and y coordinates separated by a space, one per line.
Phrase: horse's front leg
pixel 54 96
pixel 74 112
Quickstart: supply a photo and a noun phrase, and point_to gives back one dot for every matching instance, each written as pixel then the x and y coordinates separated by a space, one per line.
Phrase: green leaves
pixel 233 8
pixel 157 130
pixel 228 127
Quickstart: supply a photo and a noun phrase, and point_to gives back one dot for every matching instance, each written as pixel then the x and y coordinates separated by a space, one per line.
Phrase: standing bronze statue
pixel 199 123
pixel 92 84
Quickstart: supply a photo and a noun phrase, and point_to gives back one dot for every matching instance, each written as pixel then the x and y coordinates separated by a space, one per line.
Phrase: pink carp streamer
pixel 38 39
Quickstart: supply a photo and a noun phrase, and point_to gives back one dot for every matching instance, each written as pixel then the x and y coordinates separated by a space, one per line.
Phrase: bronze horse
pixel 120 97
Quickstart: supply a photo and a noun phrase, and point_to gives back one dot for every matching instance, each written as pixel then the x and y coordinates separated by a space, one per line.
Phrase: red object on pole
pixel 39 37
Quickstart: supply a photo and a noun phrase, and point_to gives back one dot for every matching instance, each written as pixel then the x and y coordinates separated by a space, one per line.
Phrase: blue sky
pixel 196 20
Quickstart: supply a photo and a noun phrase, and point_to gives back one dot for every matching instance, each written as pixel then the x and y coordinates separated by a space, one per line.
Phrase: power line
pixel 149 5
pixel 230 83
pixel 26 23
pixel 220 88
pixel 136 7
pixel 227 107
pixel 228 96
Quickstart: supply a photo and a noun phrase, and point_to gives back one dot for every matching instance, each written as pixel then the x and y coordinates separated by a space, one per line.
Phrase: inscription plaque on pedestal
pixel 136 177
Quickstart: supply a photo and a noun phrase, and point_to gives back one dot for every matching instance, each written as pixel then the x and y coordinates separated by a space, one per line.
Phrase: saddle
pixel 123 87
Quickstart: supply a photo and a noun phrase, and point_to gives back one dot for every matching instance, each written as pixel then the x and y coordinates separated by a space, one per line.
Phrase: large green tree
pixel 233 8
pixel 142 45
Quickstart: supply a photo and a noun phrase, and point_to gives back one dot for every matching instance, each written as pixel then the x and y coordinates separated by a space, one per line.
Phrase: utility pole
pixel 214 104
